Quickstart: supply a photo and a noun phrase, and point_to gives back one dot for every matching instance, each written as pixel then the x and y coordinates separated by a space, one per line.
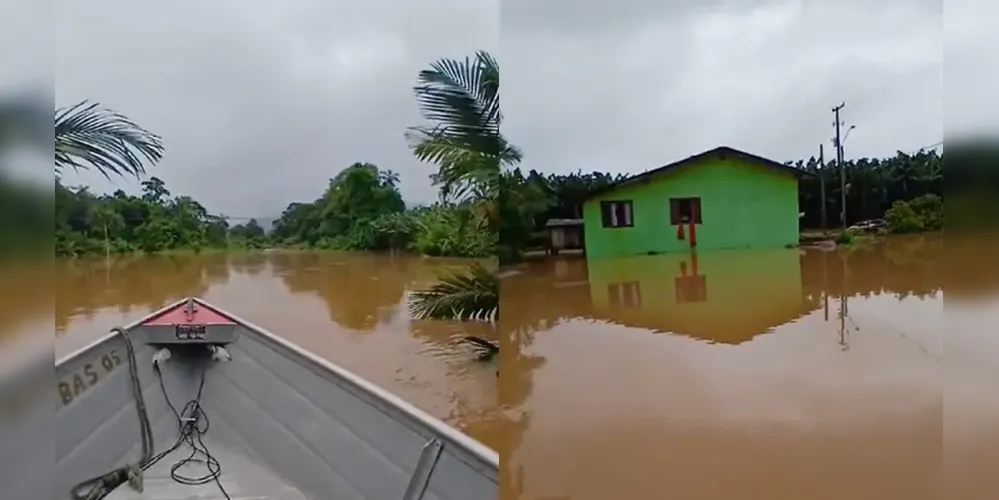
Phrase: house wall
pixel 742 206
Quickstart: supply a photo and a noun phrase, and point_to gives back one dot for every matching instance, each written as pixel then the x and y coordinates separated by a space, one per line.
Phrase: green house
pixel 720 199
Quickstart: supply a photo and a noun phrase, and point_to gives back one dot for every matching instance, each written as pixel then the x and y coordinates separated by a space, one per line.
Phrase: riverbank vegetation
pixel 363 210
pixel 154 221
pixel 86 137
pixel 921 214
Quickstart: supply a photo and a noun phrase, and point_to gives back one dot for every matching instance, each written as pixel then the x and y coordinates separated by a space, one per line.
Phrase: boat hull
pixel 326 432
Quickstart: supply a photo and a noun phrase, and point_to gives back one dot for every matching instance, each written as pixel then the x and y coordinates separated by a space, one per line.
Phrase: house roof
pixel 721 152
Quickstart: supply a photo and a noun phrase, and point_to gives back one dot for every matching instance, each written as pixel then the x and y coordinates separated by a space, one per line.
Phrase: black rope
pixel 192 423
pixel 99 487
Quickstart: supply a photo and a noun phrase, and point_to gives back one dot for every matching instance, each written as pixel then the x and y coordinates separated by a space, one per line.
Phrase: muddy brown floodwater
pixel 732 375
pixel 348 308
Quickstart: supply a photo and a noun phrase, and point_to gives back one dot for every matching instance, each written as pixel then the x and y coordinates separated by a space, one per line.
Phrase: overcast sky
pixel 631 85
pixel 261 102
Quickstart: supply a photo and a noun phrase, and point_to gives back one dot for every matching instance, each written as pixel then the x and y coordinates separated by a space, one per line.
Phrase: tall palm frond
pixel 459 169
pixel 468 295
pixel 89 136
pixel 461 98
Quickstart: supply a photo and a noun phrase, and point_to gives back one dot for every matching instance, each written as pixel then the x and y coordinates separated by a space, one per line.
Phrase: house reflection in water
pixel 725 296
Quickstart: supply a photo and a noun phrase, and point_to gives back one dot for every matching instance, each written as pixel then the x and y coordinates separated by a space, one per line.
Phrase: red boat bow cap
pixel 189 312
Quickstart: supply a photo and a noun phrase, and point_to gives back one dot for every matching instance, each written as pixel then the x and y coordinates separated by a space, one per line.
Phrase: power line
pixel 935 145
pixel 234 217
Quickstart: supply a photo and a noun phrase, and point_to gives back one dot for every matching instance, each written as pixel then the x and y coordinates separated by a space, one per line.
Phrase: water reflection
pixel 781 374
pixel 725 297
pixel 748 375
pixel 248 263
pixel 85 287
pixel 971 427
pixel 360 291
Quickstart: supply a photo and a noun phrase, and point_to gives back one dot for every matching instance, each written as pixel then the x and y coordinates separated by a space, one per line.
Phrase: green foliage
pixel 88 136
pixel 452 231
pixel 461 100
pixel 528 202
pixel 924 213
pixel 845 238
pixel 471 295
pixel 873 185
pixel 362 210
pixel 153 222
pixel 25 218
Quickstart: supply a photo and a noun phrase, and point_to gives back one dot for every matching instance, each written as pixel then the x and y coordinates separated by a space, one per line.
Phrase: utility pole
pixel 843 306
pixel 825 285
pixel 838 143
pixel 822 186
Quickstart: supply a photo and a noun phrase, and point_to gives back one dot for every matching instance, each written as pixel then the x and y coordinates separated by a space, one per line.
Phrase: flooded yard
pixel 786 374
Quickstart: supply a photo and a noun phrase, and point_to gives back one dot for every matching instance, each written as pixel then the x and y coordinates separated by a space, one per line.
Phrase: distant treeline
pixel 155 221
pixel 362 209
pixel 872 186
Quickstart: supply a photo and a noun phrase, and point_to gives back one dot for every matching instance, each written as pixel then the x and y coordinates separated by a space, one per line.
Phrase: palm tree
pixel 461 99
pixel 89 136
pixel 470 295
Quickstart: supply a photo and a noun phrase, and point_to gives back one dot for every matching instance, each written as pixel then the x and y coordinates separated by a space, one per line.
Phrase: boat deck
pixel 242 478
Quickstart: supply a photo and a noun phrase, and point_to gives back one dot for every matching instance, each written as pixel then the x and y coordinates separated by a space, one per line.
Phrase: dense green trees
pixel 924 213
pixel 362 209
pixel 119 223
pixel 86 136
pixel 873 185
pixel 534 198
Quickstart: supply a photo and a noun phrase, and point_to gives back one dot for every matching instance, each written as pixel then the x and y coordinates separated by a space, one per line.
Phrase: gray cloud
pixel 260 103
pixel 972 69
pixel 26 58
pixel 630 85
